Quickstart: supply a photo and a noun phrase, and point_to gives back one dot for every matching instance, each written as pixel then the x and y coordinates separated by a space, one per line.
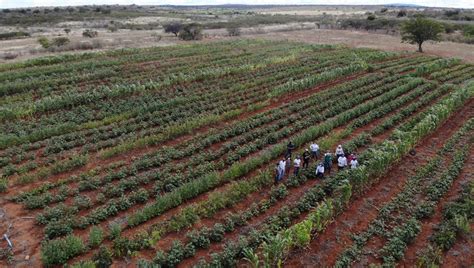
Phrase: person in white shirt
pixel 281 167
pixel 277 173
pixel 339 151
pixel 320 171
pixel 342 162
pixel 296 165
pixel 354 163
pixel 314 147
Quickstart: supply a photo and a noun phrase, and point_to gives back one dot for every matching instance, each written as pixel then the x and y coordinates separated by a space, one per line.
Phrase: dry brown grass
pixel 126 38
pixel 372 40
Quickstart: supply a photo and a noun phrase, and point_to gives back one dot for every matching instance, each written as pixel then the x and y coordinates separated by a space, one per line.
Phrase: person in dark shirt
pixel 328 162
pixel 306 157
pixel 289 149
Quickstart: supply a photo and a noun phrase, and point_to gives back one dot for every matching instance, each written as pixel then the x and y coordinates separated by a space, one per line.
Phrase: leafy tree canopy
pixel 419 30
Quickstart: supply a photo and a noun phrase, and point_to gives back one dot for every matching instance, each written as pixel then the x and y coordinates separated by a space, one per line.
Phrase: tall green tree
pixel 419 30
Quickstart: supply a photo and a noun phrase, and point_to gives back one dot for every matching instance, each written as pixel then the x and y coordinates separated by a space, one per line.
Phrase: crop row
pixel 125 107
pixel 53 228
pixel 454 224
pixel 238 190
pixel 405 203
pixel 190 190
pixel 184 218
pixel 178 57
pixel 76 140
pixel 72 97
pixel 205 140
pixel 380 157
pixel 343 185
pixel 327 78
pixel 360 121
pixel 218 154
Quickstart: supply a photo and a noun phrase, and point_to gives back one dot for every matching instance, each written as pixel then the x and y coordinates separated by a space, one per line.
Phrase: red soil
pixel 325 248
pixel 462 253
pixel 294 194
pixel 33 236
pixel 277 102
pixel 96 161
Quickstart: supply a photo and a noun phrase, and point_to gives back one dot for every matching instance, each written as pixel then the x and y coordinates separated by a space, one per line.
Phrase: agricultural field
pixel 165 157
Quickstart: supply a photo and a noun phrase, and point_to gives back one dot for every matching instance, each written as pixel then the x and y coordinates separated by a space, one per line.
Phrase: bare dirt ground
pixel 299 32
pixel 360 39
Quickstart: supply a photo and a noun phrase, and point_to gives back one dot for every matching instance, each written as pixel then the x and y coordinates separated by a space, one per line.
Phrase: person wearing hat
pixel 296 165
pixel 320 170
pixel 354 163
pixel 314 147
pixel 328 161
pixel 306 157
pixel 339 151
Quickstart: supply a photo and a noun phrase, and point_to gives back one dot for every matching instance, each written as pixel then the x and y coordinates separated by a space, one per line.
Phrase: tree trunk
pixel 420 49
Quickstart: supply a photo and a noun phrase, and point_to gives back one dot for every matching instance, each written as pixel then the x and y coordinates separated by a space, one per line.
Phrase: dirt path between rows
pixel 293 196
pixel 324 249
pixel 130 155
pixel 31 239
pixel 462 253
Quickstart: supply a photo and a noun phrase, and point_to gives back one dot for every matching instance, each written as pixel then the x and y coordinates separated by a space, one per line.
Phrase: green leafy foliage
pixel 56 252
pixel 420 29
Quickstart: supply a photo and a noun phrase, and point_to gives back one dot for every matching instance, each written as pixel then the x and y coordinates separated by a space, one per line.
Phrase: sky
pixel 37 3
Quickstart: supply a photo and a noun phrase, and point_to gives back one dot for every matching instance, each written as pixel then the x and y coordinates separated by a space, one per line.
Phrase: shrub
pixel 191 31
pixel 139 196
pixel 13 35
pixel 58 228
pixel 176 254
pixel 462 224
pixel 57 252
pixel 60 41
pixel 103 258
pixel 200 239
pixel 301 233
pixel 189 250
pixel 160 259
pixel 402 13
pixel 96 236
pixel 89 33
pixel 233 31
pixel 217 233
pixel 114 230
pixel 100 198
pixel 174 27
pixel 468 30
pixel 82 201
pixel 112 28
pixel 44 42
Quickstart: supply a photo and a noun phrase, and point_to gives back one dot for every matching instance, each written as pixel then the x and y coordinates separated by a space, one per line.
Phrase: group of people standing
pixel 284 165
